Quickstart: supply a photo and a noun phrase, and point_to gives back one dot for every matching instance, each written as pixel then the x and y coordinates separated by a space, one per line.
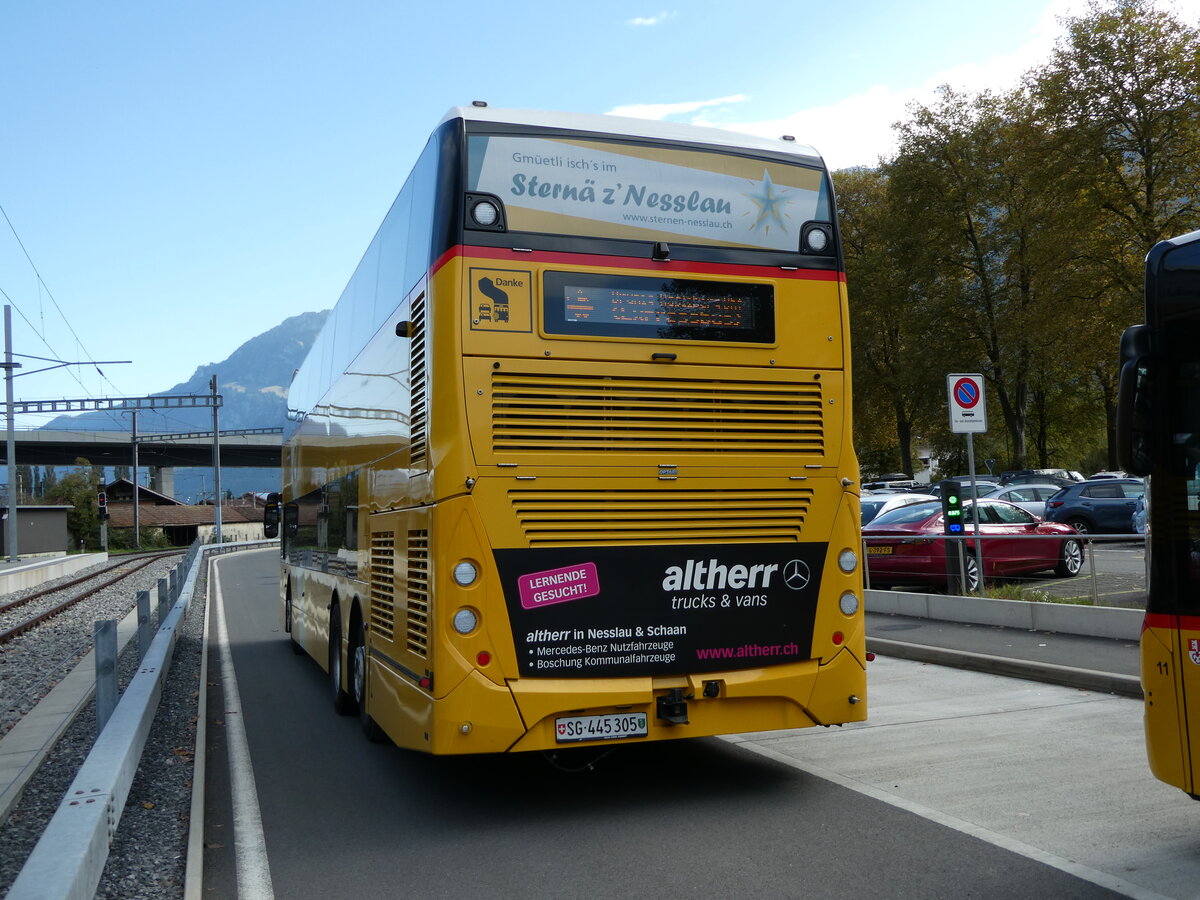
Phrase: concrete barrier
pixel 1064 618
pixel 28 573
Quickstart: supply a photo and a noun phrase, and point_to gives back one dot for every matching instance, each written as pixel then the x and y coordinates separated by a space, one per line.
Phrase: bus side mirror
pixel 1135 402
pixel 271 516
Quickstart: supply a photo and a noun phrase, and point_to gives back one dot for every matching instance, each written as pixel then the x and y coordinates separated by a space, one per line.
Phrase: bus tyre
pixel 342 704
pixel 358 684
pixel 1070 559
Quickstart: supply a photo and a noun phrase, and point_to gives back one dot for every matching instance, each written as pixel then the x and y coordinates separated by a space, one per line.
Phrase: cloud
pixel 660 111
pixel 649 21
pixel 857 130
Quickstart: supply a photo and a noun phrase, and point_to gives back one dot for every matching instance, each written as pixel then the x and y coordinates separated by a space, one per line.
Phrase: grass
pixel 1011 591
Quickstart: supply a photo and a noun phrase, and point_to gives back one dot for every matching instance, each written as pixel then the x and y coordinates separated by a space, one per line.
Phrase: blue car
pixel 1104 506
pixel 1141 511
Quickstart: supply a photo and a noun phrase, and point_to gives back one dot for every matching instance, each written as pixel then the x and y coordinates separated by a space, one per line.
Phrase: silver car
pixel 874 504
pixel 1030 497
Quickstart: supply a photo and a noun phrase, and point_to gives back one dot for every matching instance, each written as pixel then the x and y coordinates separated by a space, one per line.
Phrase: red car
pixel 904 545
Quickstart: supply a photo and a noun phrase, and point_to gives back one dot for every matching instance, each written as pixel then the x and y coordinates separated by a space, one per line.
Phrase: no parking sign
pixel 968 409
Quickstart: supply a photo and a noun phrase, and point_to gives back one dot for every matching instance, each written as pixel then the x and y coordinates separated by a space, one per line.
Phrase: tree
pixel 1118 103
pixel 79 489
pixel 964 179
pixel 892 366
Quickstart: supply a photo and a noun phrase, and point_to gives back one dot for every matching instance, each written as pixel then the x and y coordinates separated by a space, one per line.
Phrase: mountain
pixel 253 383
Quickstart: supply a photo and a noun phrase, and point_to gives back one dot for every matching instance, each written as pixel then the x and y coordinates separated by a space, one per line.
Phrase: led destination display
pixel 675 309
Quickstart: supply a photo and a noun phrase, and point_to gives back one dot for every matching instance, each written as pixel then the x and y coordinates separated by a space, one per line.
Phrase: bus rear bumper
pixel 479 716
pixel 733 702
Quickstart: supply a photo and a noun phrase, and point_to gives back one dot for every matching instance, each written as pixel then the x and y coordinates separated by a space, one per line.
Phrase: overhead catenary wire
pixel 40 332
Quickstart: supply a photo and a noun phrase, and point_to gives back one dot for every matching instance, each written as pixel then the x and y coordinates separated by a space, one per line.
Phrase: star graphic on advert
pixel 769 199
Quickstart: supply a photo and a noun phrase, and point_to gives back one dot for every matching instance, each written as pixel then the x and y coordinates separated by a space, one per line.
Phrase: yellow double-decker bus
pixel 571 461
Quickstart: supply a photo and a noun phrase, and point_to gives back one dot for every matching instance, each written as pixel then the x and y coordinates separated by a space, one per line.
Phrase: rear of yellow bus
pixel 645 516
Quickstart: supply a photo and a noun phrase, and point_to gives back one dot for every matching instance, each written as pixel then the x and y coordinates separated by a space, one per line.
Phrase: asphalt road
pixel 961 784
pixel 1114 574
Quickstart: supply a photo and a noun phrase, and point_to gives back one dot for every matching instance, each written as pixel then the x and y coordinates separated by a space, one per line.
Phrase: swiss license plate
pixel 879 550
pixel 600 728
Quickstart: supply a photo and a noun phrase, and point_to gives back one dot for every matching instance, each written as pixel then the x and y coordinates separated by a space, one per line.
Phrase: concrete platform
pixel 1055 773
pixel 29 573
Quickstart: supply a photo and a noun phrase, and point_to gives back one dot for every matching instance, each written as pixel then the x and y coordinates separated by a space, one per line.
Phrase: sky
pixel 178 177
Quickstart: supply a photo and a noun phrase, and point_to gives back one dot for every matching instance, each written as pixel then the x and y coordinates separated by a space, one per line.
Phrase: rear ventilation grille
pixel 587 518
pixel 595 413
pixel 419 372
pixel 417 611
pixel 383 585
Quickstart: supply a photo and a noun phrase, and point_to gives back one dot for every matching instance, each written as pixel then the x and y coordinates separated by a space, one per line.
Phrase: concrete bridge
pixel 244 448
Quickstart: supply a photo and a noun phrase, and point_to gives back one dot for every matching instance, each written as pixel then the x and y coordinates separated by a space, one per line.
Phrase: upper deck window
pixel 609 189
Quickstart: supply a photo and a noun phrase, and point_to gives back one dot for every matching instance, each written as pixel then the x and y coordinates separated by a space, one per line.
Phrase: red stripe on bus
pixel 1171 622
pixel 630 262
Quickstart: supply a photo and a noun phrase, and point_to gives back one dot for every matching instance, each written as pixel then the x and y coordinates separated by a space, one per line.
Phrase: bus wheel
pixel 1071 559
pixel 341 700
pixel 358 685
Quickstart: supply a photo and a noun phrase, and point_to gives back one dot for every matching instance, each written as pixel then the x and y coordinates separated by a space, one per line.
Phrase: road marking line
pixel 250 846
pixel 1087 873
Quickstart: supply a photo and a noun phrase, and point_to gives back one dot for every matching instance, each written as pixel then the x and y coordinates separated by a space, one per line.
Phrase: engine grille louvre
pixel 417 610
pixel 383 584
pixel 589 518
pixel 566 412
pixel 419 373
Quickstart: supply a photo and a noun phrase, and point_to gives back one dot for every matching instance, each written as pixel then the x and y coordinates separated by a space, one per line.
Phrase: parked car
pixel 1141 512
pixel 903 545
pixel 1100 475
pixel 896 481
pixel 982 488
pixel 874 504
pixel 1102 506
pixel 1060 477
pixel 1030 497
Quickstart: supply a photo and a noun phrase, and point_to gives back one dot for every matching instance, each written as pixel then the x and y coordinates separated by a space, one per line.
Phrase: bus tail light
pixel 847 560
pixel 465 573
pixel 482 658
pixel 848 603
pixel 465 620
pixel 838 637
pixel 485 212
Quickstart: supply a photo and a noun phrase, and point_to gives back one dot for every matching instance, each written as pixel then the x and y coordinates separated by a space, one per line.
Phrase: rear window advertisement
pixel 622 611
pixel 640 192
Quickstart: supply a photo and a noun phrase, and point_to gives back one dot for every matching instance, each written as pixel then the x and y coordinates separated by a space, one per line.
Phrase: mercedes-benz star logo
pixel 796 575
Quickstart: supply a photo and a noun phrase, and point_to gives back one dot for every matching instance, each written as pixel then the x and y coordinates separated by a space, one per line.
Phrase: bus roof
pixel 631 127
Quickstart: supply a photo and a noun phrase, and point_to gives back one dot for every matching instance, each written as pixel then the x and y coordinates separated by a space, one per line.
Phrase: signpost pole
pixel 968 415
pixel 10 527
pixel 975 510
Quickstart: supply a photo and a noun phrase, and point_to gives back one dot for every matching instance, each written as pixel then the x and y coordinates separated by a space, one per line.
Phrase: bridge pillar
pixel 162 479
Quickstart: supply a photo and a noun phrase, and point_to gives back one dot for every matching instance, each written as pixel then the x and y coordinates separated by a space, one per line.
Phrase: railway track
pixel 45 632
pixel 65 600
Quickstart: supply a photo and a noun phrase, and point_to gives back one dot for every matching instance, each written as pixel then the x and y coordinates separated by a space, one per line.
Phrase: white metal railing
pixel 979 550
